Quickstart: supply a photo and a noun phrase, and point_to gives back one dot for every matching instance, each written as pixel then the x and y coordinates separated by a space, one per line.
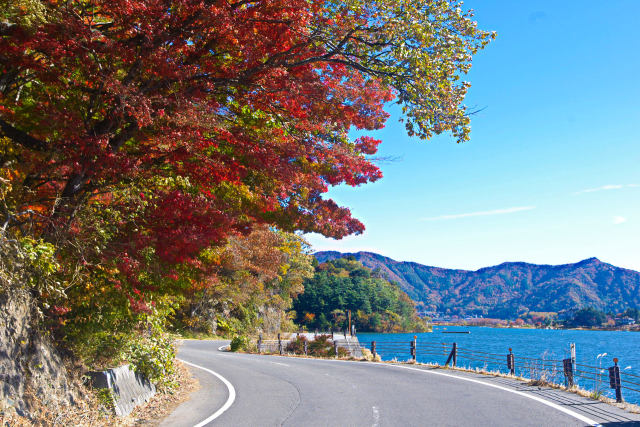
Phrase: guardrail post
pixel 455 354
pixel 572 347
pixel 614 380
pixel 260 343
pixel 279 344
pixel 373 349
pixel 306 349
pixel 335 347
pixel 567 367
pixel 511 363
pixel 413 347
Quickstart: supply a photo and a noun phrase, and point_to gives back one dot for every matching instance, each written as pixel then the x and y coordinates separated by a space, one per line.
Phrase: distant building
pixel 623 321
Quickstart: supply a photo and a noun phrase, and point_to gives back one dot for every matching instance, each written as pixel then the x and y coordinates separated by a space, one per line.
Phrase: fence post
pixel 413 347
pixel 511 365
pixel 573 358
pixel 260 343
pixel 568 372
pixel 373 349
pixel 306 349
pixel 614 380
pixel 455 354
pixel 279 344
pixel 335 347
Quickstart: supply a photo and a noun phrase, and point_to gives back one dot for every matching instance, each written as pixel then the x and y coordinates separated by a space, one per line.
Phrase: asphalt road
pixel 274 390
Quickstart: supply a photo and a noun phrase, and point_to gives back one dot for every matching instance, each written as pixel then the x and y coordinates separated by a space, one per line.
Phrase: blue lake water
pixel 487 348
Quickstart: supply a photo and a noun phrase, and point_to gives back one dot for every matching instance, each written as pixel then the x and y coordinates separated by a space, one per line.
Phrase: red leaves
pixel 183 225
pixel 227 106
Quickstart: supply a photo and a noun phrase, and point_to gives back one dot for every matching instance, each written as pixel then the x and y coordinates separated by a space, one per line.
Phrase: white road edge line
pixel 569 412
pixel 222 347
pixel 227 404
pixel 528 396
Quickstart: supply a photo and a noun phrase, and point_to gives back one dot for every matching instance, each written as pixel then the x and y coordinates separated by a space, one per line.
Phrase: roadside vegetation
pixel 345 284
pixel 157 159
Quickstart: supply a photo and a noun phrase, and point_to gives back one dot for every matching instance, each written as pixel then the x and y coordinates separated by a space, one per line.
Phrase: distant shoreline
pixel 608 328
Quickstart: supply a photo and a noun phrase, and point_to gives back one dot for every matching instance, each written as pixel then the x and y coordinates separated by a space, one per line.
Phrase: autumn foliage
pixel 141 137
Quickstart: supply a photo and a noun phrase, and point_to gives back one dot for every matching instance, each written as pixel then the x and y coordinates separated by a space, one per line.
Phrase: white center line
pixel 376 416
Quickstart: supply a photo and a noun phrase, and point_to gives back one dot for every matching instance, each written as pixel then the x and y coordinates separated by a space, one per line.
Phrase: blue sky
pixel 551 174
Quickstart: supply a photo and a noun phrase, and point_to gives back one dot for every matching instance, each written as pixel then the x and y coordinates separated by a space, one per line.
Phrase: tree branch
pixel 21 137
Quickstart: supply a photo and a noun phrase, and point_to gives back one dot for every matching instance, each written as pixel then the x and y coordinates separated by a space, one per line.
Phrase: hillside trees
pixel 255 279
pixel 139 136
pixel 345 284
pixel 589 317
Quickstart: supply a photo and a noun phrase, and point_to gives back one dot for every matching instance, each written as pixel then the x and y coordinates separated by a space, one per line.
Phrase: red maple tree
pixel 201 118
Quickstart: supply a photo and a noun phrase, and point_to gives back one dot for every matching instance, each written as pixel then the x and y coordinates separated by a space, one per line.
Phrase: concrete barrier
pixel 128 388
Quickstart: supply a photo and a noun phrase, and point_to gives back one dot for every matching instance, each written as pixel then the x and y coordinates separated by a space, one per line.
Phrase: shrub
pixel 154 357
pixel 321 347
pixel 297 346
pixel 239 342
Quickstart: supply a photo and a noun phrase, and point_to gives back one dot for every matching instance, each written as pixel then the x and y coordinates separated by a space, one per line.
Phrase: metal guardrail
pixel 553 371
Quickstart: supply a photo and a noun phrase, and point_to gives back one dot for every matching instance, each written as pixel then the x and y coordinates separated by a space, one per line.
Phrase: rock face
pixel 509 289
pixel 128 388
pixel 30 367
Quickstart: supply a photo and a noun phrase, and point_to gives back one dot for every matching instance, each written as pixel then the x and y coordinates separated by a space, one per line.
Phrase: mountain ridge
pixel 509 289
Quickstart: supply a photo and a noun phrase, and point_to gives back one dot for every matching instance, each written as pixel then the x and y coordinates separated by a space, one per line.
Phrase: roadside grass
pixel 542 382
pixel 190 335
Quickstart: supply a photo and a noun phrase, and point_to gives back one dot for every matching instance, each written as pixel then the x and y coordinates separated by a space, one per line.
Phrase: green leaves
pixel 419 48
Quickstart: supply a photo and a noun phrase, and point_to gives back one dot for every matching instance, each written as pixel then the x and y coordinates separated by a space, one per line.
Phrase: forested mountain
pixel 345 284
pixel 509 289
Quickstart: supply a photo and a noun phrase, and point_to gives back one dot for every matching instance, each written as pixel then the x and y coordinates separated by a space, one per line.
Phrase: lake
pixel 487 348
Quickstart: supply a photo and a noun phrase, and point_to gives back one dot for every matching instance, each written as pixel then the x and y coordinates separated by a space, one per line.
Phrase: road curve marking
pixel 528 396
pixel 569 412
pixel 227 404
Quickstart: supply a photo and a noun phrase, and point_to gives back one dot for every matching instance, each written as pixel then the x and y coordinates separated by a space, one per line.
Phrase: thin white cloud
pixel 480 213
pixel 607 187
pixel 619 220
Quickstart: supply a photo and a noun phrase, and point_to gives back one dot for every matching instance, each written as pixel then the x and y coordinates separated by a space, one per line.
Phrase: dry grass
pixel 88 411
pixel 542 382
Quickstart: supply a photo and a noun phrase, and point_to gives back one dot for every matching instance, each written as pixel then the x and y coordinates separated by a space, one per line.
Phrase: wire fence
pixel 565 372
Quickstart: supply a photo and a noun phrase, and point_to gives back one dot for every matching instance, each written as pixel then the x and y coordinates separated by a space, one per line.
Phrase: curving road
pixel 274 390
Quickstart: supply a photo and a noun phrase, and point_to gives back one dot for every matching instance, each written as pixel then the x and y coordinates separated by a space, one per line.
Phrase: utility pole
pixel 349 321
